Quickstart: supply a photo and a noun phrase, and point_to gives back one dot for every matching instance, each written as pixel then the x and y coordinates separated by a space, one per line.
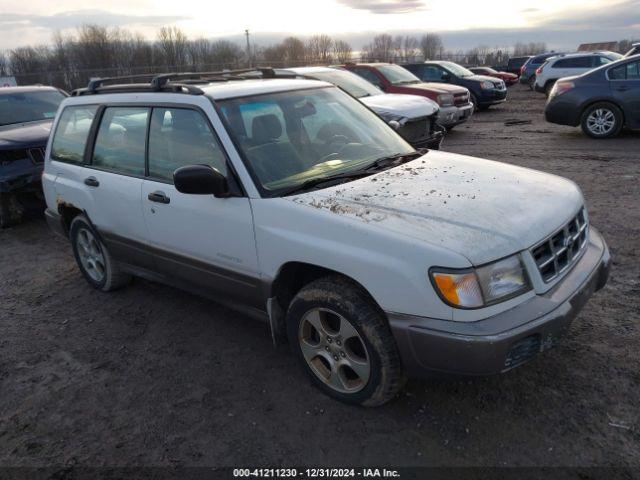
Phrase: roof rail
pixel 164 82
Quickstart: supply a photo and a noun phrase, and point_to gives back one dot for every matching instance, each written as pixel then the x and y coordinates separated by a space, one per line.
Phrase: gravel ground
pixel 153 376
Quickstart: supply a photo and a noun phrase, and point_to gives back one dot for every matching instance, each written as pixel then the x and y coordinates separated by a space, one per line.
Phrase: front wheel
pixel 93 258
pixel 11 211
pixel 532 82
pixel 602 120
pixel 344 342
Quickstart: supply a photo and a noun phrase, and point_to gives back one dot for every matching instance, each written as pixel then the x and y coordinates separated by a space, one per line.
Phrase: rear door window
pixel 71 134
pixel 121 140
pixel 179 137
pixel 369 76
pixel 629 71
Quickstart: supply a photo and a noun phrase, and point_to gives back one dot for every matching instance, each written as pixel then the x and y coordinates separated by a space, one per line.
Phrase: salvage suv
pixel 293 199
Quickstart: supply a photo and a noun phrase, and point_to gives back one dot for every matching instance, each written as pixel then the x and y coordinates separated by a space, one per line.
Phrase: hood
pixel 478 208
pixel 396 104
pixel 25 135
pixel 436 87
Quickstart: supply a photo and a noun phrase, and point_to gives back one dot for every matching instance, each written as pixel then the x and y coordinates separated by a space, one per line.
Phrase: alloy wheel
pixel 601 121
pixel 334 350
pixel 90 255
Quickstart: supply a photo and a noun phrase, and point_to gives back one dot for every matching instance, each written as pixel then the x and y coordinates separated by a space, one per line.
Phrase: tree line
pixel 96 51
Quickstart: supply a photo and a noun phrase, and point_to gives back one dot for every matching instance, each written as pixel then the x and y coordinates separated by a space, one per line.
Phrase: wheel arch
pixel 290 279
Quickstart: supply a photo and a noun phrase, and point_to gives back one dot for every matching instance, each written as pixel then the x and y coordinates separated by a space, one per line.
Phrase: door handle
pixel 159 197
pixel 622 89
pixel 91 182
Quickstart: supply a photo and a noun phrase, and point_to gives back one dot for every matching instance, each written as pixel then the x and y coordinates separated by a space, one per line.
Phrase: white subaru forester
pixel 291 199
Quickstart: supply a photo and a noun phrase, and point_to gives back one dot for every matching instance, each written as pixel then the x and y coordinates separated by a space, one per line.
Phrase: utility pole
pixel 246 32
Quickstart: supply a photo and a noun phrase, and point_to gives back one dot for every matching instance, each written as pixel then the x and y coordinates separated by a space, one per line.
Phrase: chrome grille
pixel 416 130
pixel 461 98
pixel 562 249
pixel 37 155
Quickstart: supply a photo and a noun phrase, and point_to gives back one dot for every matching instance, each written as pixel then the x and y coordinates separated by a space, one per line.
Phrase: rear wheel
pixel 532 82
pixel 11 211
pixel 344 342
pixel 93 259
pixel 602 120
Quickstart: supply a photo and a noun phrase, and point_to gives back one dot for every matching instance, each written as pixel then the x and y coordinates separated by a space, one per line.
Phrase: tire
pixel 93 258
pixel 333 325
pixel 11 211
pixel 474 99
pixel 548 86
pixel 612 120
pixel 532 82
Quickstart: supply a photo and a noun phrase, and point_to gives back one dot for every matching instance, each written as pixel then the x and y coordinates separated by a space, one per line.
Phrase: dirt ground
pixel 153 376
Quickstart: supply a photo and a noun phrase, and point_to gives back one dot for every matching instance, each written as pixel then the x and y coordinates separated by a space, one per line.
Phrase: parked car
pixel 514 64
pixel 454 101
pixel 568 65
pixel 635 50
pixel 528 70
pixel 485 91
pixel 414 116
pixel 508 78
pixel 601 101
pixel 26 114
pixel 293 199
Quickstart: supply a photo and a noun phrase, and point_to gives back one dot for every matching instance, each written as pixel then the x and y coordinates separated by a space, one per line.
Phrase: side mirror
pixel 394 124
pixel 446 77
pixel 200 180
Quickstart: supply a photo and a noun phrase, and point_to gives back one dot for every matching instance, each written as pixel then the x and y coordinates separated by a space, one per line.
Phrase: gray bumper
pixel 450 116
pixel 506 340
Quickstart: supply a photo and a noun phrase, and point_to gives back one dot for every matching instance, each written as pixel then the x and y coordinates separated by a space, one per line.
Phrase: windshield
pixel 350 82
pixel 21 107
pixel 398 75
pixel 456 69
pixel 292 137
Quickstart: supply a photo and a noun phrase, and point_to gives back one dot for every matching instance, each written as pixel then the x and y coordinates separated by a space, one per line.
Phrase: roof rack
pixel 165 82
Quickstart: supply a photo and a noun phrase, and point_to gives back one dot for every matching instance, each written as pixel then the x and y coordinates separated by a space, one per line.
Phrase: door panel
pixel 625 87
pixel 205 241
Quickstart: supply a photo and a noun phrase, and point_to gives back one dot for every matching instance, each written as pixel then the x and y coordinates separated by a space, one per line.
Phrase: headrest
pixel 266 128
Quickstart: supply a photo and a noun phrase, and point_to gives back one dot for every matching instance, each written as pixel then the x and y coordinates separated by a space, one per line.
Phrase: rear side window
pixel 180 137
pixel 630 71
pixel 71 134
pixel 369 76
pixel 577 62
pixel 120 143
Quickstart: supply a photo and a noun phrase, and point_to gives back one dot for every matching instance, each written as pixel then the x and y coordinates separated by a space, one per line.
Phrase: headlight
pixel 482 286
pixel 487 85
pixel 445 100
pixel 389 116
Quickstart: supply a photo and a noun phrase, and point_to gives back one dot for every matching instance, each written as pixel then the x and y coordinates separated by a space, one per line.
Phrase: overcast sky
pixel 463 23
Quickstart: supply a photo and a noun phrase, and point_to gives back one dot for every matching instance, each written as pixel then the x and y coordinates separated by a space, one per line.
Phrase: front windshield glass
pixel 456 69
pixel 289 138
pixel 350 82
pixel 21 107
pixel 398 75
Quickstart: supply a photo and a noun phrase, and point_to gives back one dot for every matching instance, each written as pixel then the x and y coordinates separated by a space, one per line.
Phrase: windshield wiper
pixel 314 182
pixel 393 160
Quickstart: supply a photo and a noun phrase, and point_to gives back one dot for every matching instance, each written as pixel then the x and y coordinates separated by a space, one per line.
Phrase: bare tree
pixel 405 48
pixel 342 51
pixel 532 48
pixel 4 64
pixel 431 46
pixel 295 51
pixel 380 49
pixel 320 49
pixel 172 46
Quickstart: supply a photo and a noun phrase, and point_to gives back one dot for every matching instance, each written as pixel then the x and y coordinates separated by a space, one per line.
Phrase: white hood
pixel 405 106
pixel 478 208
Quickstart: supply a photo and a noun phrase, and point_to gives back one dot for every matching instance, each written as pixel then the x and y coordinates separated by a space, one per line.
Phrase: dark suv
pixel 601 101
pixel 485 90
pixel 528 70
pixel 514 65
pixel 26 114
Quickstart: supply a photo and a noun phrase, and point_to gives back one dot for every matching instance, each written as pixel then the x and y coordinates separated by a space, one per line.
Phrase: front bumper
pixel 509 339
pixel 492 97
pixel 434 141
pixel 451 116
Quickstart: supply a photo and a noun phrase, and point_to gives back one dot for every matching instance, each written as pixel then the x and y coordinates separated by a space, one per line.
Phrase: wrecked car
pixel 415 118
pixel 291 200
pixel 26 114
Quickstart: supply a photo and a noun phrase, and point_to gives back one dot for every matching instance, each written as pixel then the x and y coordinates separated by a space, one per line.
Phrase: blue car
pixel 528 70
pixel 485 91
pixel 26 115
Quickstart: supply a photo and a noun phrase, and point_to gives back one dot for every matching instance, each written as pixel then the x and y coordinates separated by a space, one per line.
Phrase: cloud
pixel 76 18
pixel 385 6
pixel 620 14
